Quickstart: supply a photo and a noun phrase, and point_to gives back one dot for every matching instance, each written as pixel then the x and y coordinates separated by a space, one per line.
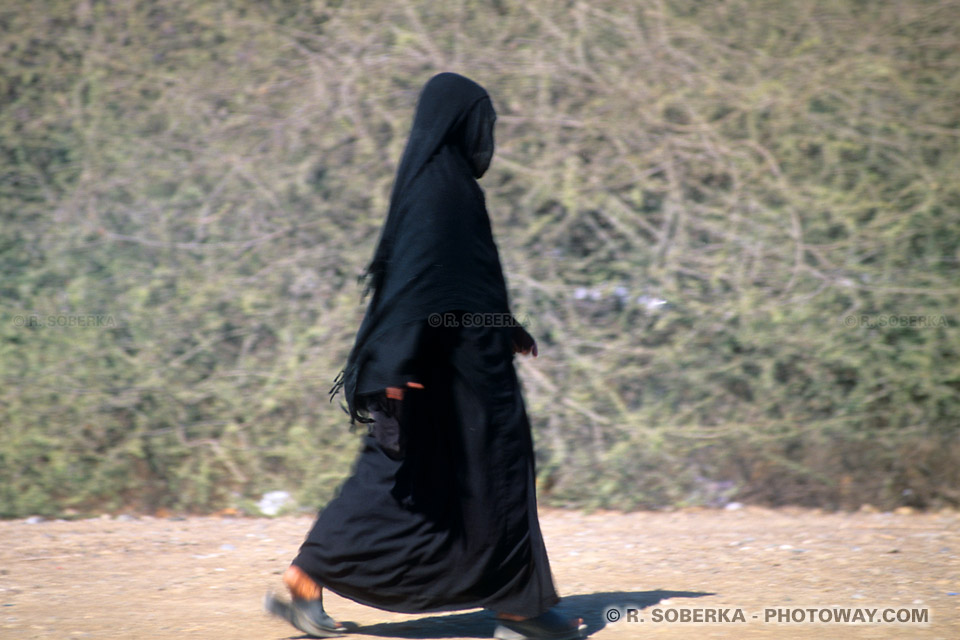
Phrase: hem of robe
pixel 429 604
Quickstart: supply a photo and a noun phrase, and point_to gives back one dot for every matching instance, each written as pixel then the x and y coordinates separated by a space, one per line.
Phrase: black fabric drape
pixel 452 525
pixel 436 252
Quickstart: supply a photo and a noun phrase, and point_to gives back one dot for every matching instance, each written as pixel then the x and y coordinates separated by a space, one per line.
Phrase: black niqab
pixel 436 252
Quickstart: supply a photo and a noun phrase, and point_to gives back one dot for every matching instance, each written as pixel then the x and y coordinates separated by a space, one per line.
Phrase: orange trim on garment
pixel 396 393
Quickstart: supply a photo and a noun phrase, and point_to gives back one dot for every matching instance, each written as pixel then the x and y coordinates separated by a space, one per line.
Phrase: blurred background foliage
pixel 704 210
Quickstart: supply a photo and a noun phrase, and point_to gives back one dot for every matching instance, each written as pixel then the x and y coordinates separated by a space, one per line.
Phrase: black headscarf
pixel 436 251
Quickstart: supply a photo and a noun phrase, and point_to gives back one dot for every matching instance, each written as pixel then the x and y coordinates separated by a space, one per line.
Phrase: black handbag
pixel 386 427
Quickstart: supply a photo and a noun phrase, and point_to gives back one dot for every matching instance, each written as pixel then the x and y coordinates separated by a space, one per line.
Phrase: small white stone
pixel 273 501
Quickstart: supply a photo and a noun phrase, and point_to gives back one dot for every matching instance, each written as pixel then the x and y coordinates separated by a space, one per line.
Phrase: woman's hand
pixel 523 342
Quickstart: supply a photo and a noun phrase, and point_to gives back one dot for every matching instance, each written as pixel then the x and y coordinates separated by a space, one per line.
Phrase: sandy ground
pixel 164 578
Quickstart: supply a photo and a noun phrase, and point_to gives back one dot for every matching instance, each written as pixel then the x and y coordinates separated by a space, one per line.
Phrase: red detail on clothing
pixel 395 392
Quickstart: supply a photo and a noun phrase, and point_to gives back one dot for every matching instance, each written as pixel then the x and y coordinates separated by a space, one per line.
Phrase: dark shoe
pixel 306 615
pixel 547 626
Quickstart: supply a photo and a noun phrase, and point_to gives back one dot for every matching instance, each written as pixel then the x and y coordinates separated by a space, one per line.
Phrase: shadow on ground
pixel 591 607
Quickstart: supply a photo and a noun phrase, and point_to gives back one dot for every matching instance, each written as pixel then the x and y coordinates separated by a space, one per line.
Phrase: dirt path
pixel 206 577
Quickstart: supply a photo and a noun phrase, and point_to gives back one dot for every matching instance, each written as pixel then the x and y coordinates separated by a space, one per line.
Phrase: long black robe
pixel 452 524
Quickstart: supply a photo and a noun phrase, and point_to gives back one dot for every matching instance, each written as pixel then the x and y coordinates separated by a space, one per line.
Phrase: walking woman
pixel 440 513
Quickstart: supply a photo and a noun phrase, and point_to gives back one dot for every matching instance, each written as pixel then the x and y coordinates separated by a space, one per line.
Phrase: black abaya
pixel 453 523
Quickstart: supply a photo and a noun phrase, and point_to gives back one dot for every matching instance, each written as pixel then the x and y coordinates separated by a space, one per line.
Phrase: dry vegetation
pixel 209 179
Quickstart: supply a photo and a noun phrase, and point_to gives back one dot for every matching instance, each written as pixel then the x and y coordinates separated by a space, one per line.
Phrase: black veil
pixel 436 251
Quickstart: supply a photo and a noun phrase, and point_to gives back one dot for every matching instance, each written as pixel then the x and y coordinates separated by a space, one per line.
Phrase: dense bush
pixel 203 181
